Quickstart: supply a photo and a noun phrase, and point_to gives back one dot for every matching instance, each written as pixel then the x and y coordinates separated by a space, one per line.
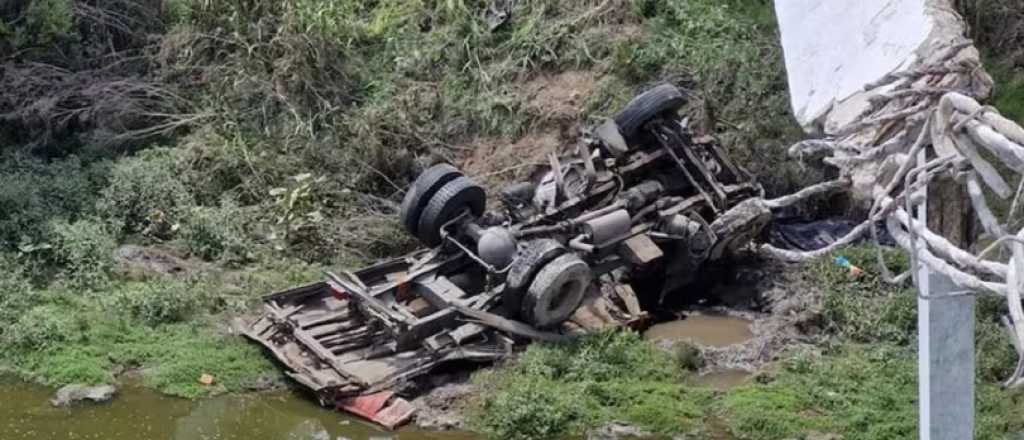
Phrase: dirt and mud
pixel 559 101
pixel 755 312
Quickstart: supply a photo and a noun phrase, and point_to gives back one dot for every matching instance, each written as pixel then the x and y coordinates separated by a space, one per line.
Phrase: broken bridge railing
pixel 923 126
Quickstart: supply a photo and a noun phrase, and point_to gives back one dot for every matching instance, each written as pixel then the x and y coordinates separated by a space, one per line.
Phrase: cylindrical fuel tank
pixel 608 227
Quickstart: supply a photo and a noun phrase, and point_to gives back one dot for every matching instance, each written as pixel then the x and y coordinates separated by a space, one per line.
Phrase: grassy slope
pixel 363 94
pixel 307 105
pixel 861 385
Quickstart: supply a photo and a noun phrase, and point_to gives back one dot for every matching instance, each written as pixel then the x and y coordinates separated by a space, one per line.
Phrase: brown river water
pixel 140 414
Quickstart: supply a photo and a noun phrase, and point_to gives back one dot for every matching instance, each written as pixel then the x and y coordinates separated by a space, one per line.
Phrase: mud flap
pixel 382 408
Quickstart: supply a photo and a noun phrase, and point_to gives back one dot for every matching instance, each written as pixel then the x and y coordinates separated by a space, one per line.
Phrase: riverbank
pixel 831 355
pixel 807 351
pixel 281 135
pixel 279 139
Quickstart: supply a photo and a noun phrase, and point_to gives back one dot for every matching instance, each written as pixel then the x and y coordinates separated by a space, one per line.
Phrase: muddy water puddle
pixel 140 414
pixel 723 379
pixel 708 330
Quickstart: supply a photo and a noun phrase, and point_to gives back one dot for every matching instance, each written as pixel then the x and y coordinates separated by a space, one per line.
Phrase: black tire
pixel 738 226
pixel 420 192
pixel 556 291
pixel 447 203
pixel 647 106
pixel 532 257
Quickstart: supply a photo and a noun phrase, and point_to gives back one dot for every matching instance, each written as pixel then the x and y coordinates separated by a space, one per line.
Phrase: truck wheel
pixel 447 203
pixel 420 192
pixel 647 106
pixel 533 256
pixel 556 291
pixel 739 226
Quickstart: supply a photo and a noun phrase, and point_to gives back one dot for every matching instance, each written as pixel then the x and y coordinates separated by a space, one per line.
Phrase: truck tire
pixel 533 256
pixel 420 192
pixel 647 106
pixel 738 226
pixel 448 202
pixel 556 291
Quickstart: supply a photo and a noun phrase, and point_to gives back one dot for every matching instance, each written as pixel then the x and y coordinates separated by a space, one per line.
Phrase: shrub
pixel 161 302
pixel 16 293
pixel 42 327
pixel 84 251
pixel 33 191
pixel 146 193
pixel 994 352
pixel 46 22
pixel 217 233
pixel 528 409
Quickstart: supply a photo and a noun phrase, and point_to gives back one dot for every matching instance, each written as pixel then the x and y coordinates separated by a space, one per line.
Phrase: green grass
pixel 308 103
pixel 305 105
pixel 1008 95
pixel 864 309
pixel 859 392
pixel 169 358
pixel 553 390
pixel 860 382
pixel 69 336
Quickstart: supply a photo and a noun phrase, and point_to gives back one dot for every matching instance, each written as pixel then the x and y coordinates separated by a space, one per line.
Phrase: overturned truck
pixel 598 237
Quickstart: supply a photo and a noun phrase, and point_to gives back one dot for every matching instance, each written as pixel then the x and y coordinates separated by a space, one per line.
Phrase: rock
pixel 150 260
pixel 615 431
pixel 309 430
pixel 72 394
pixel 265 383
pixel 441 407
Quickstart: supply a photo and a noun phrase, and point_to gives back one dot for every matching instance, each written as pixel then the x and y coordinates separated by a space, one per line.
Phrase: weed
pixel 16 292
pixel 146 194
pixel 160 302
pixel 33 192
pixel 865 308
pixel 1008 90
pixel 47 22
pixel 994 352
pixel 557 389
pixel 185 352
pixel 74 338
pixel 84 251
pixel 860 392
pixel 41 327
pixel 218 233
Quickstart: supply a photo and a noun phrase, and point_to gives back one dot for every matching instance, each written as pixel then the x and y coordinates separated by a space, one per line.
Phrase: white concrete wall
pixel 834 47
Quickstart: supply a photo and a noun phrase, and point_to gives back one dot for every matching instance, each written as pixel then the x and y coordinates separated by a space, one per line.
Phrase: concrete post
pixel 945 360
pixel 945 323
